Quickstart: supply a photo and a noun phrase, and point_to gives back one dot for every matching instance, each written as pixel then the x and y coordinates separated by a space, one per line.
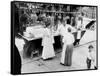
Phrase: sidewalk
pixel 78 62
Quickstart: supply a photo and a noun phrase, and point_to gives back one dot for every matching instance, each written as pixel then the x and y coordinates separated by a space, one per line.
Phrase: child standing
pixel 91 61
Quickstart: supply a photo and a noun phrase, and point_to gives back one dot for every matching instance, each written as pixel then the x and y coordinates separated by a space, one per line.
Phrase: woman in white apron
pixel 47 43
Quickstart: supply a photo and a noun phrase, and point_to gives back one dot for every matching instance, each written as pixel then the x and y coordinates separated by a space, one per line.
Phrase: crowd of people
pixel 46 18
pixel 63 28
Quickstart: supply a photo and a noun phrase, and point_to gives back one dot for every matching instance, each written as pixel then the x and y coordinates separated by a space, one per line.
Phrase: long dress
pixel 47 43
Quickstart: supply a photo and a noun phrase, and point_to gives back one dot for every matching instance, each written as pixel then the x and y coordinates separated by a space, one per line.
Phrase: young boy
pixel 91 58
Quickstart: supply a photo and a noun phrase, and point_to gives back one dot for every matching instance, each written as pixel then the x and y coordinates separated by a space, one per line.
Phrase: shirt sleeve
pixel 73 39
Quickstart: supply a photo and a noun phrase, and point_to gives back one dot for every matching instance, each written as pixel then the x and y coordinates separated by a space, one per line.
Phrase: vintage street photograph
pixel 52 37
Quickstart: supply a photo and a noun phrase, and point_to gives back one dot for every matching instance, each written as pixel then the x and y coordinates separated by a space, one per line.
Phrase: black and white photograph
pixel 53 37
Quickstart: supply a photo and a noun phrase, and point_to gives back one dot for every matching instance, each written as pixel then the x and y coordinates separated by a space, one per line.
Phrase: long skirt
pixel 48 52
pixel 66 57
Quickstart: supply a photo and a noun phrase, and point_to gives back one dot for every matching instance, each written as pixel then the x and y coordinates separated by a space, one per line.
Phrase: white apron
pixel 63 53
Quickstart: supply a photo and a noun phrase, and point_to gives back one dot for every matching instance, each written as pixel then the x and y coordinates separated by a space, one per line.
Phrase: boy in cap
pixel 91 62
